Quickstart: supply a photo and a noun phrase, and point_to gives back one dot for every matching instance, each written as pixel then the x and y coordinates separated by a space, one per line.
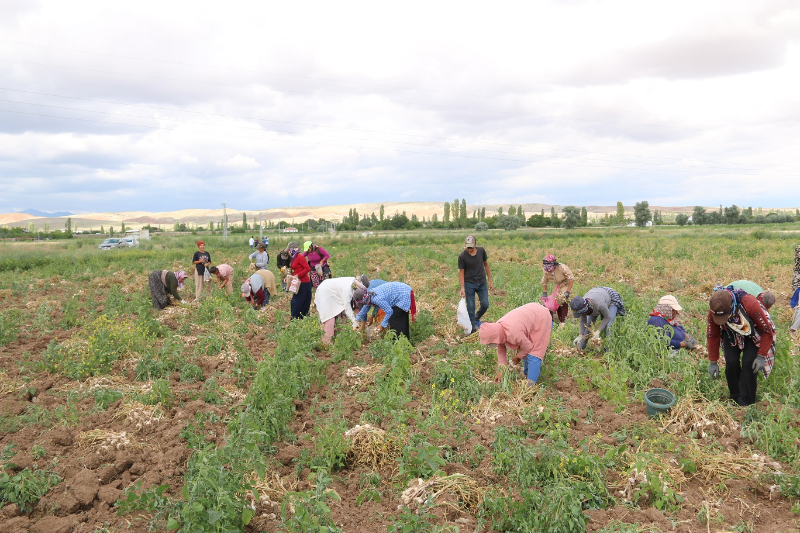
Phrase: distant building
pixel 290 230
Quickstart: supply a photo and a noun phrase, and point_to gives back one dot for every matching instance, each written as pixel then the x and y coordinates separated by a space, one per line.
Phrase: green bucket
pixel 658 401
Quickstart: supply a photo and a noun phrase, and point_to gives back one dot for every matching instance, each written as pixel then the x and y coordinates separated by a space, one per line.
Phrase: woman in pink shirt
pixel 224 274
pixel 524 330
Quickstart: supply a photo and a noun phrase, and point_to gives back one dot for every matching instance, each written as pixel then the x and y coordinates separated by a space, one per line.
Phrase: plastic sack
pixel 550 303
pixel 293 284
pixel 463 317
pixel 206 275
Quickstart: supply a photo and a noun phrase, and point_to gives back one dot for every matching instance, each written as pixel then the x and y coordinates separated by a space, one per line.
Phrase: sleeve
pixel 387 309
pixel 172 285
pixel 485 256
pixel 502 358
pixel 324 255
pixel 254 255
pixel 461 264
pixel 713 337
pixel 795 298
pixel 582 325
pixel 567 272
pixel 300 266
pixel 362 314
pixel 195 258
pixel 524 342
pixel 760 320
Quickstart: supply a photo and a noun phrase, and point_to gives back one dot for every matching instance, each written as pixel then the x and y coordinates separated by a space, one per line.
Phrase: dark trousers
pixel 301 302
pixel 398 322
pixel 739 369
pixel 562 311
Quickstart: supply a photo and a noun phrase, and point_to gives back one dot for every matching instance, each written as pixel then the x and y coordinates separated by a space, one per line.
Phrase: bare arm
pixel 461 281
pixel 488 274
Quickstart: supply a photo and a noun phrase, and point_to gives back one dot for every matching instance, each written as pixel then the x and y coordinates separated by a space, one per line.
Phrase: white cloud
pixel 581 103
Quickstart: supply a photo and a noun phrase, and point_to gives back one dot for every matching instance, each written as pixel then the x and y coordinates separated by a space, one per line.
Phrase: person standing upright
pixel 252 242
pixel 475 277
pixel 201 259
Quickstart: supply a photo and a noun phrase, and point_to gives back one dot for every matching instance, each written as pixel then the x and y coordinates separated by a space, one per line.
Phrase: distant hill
pixel 37 213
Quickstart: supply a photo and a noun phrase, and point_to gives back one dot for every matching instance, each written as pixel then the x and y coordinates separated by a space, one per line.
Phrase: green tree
pixel 463 216
pixel 732 214
pixel 68 226
pixel 699 216
pixel 507 222
pixel 584 217
pixel 483 213
pixel 244 221
pixel 620 214
pixel 446 217
pixel 512 210
pixel 380 213
pixel 102 230
pixel 658 220
pixel 641 213
pixel 499 211
pixel 572 217
pixel 111 231
pixel 681 219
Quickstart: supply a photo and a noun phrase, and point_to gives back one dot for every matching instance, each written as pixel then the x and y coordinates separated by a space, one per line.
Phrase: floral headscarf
pixel 180 275
pixel 549 263
pixel 666 312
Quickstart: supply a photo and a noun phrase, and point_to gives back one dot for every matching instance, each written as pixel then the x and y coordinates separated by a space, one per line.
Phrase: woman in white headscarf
pixel 335 300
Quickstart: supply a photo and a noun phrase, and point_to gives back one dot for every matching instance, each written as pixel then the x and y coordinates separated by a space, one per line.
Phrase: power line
pixel 454 139
pixel 391 149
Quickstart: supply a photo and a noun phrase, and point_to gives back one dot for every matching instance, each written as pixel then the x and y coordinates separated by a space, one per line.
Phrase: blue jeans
pixel 470 290
pixel 532 366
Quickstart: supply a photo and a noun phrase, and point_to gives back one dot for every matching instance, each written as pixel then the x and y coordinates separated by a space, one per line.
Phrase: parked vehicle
pixel 112 243
pixel 131 241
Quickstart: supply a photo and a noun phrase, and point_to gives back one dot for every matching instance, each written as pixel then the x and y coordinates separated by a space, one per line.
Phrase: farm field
pixel 212 417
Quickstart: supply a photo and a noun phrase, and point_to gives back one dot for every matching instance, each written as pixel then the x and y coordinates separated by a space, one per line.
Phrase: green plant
pixel 38 452
pixel 27 487
pixel 420 458
pixel 212 393
pixel 309 511
pixel 191 373
pixel 103 398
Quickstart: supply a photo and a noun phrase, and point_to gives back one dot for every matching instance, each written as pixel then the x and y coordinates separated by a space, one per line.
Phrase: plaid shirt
pixel 386 296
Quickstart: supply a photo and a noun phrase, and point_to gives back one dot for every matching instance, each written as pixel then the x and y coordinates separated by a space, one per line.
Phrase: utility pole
pixel 224 222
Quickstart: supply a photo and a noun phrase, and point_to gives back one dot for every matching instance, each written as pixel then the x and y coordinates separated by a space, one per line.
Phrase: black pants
pixel 739 369
pixel 301 302
pixel 398 322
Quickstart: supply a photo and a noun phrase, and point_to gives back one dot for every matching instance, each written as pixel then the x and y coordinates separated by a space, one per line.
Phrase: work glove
pixel 596 335
pixel 691 344
pixel 370 320
pixel 713 370
pixel 577 340
pixel 758 364
pixel 544 294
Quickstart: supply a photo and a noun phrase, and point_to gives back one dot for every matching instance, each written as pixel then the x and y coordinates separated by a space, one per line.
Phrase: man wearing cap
pixel 475 277
pixel 598 302
pixel 742 326
pixel 665 319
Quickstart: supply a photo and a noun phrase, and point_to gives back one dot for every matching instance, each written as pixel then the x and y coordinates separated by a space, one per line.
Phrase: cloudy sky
pixel 159 106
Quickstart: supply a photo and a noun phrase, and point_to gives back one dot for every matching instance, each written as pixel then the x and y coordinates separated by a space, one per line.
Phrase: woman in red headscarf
pixel 562 279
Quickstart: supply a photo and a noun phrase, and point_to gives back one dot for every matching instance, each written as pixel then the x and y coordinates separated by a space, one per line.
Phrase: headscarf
pixel 199 243
pixel 493 334
pixel 180 275
pixel 580 306
pixel 666 312
pixel 796 275
pixel 364 280
pixel 246 289
pixel 366 299
pixel 549 263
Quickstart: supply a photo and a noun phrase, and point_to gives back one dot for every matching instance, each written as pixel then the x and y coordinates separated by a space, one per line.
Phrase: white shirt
pixel 252 242
pixel 332 297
